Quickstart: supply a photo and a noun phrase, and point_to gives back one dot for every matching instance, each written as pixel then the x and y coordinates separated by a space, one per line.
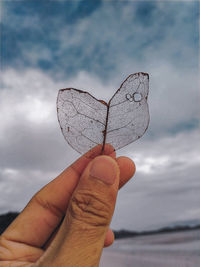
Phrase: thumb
pixel 82 234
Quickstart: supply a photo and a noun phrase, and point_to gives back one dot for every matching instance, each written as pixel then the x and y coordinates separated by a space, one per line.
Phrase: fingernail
pixel 104 169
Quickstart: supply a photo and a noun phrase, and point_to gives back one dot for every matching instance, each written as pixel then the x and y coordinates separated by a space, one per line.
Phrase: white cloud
pixel 178 151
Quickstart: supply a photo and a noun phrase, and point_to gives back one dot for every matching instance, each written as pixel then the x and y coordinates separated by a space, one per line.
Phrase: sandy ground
pixel 181 249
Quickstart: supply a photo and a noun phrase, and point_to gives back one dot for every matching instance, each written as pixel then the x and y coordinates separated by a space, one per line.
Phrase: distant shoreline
pixel 165 230
pixel 7 218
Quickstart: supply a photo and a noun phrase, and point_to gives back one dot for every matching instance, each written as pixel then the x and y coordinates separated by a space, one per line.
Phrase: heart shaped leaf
pixel 86 122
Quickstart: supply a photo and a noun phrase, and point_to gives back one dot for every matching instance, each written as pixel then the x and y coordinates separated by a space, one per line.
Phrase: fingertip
pixel 127 169
pixel 110 237
pixel 127 165
pixel 97 150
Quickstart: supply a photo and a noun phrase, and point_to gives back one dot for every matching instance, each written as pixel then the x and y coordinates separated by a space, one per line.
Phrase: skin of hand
pixel 67 222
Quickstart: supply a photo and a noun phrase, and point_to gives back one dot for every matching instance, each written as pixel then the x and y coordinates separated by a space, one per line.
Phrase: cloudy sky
pixel 94 46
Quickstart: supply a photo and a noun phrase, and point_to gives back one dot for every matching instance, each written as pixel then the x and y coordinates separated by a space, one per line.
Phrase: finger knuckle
pixel 90 208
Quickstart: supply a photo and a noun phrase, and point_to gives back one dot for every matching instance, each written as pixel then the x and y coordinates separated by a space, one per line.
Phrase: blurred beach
pixel 177 249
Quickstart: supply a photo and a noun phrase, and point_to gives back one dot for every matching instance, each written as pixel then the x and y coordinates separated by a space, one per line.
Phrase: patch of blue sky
pixel 185 126
pixel 64 37
pixel 69 11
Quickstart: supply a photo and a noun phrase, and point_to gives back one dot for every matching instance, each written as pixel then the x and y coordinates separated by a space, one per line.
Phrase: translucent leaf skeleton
pixel 86 122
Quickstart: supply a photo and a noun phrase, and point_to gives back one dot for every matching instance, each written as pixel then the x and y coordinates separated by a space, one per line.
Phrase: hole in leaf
pixel 137 97
pixel 129 97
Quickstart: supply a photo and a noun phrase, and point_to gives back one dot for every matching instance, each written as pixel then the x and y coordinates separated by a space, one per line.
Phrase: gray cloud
pixel 166 184
pixel 33 150
pixel 152 201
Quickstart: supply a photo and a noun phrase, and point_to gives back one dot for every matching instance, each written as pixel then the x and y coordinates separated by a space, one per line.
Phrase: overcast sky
pixel 94 46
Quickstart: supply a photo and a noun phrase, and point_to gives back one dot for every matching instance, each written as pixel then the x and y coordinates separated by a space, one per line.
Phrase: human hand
pixel 66 224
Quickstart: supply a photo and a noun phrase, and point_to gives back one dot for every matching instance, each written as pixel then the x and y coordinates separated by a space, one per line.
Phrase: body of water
pixel 178 249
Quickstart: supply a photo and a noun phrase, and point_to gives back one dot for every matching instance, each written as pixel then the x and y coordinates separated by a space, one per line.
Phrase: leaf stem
pixel 105 130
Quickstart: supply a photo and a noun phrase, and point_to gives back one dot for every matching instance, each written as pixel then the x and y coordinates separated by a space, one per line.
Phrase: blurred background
pixel 94 46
